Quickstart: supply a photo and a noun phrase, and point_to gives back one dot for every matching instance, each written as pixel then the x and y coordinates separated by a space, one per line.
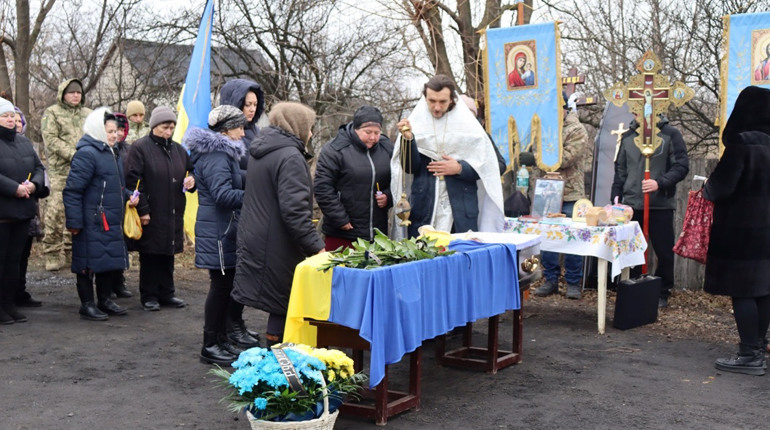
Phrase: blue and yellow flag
pixel 746 61
pixel 523 92
pixel 195 100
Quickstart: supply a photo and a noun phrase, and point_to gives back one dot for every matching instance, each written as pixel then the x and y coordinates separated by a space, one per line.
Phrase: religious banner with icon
pixel 523 90
pixel 746 59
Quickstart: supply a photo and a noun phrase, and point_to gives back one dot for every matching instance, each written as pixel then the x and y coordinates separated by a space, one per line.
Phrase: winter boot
pixel 52 262
pixel 239 336
pixel 213 352
pixel 104 282
pixel 8 302
pixel 89 311
pixel 746 362
pixel 547 289
pixel 119 287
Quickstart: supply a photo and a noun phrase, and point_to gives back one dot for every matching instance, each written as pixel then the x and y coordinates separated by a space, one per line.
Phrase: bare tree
pixel 445 27
pixel 605 38
pixel 302 50
pixel 21 41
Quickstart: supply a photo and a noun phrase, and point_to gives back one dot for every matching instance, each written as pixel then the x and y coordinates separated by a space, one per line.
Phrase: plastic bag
pixel 132 225
pixel 693 242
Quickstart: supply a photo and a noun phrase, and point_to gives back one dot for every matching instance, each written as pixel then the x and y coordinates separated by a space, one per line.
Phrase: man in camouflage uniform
pixel 62 127
pixel 137 127
pixel 572 170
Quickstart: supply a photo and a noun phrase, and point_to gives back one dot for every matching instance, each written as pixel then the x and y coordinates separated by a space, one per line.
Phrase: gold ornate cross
pixel 648 94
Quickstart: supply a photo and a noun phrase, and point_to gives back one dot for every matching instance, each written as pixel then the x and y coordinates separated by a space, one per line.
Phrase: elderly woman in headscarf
pixel 276 231
pixel 22 177
pixel 94 197
pixel 215 154
pixel 160 166
pixel 738 260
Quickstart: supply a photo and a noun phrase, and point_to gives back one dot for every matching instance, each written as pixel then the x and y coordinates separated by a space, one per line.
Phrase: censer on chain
pixel 403 209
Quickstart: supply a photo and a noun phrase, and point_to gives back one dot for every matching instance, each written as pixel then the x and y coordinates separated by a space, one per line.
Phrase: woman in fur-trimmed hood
pixel 215 154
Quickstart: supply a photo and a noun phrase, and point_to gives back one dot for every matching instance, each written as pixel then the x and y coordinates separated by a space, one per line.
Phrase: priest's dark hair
pixel 438 83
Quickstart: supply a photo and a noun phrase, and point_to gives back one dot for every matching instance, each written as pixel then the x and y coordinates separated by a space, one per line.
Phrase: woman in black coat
pixel 351 169
pixel 94 196
pixel 738 261
pixel 161 167
pixel 22 178
pixel 276 230
pixel 215 154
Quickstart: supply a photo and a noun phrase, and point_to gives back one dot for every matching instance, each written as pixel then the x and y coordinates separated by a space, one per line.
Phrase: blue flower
pixel 260 403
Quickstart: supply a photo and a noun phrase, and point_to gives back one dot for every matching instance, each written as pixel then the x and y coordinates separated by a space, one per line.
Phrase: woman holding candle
pixel 350 171
pixel 22 178
pixel 161 166
pixel 94 198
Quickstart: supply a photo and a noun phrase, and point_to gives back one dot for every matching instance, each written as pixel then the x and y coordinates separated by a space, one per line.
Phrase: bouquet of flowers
pixel 259 385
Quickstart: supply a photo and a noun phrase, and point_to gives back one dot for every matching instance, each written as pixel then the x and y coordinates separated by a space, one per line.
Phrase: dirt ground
pixel 141 371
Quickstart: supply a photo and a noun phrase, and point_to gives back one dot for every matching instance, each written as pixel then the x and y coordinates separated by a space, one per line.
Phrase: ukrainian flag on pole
pixel 195 100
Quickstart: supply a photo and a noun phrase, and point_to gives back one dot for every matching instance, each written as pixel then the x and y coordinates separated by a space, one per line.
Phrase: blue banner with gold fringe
pixel 746 59
pixel 522 85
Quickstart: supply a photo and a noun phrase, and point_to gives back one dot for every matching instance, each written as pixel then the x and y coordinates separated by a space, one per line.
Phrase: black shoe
pixel 29 302
pixel 746 364
pixel 173 302
pixel 240 337
pixel 89 311
pixel 10 309
pixel 214 352
pixel 122 292
pixel 5 319
pixel 662 303
pixel 111 308
pixel 229 346
pixel 151 305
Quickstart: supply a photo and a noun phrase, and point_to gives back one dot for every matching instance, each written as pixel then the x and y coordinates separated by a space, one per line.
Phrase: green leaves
pixel 387 251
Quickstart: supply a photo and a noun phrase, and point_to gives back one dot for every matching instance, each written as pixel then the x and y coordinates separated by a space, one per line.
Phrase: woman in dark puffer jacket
pixel 351 169
pixel 94 197
pixel 215 154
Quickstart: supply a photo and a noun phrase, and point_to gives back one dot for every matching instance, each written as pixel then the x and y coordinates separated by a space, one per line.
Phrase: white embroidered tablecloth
pixel 621 245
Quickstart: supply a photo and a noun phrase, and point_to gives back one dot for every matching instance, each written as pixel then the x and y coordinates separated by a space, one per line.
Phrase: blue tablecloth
pixel 395 308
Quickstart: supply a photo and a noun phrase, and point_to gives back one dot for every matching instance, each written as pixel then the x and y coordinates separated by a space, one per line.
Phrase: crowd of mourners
pixel 255 193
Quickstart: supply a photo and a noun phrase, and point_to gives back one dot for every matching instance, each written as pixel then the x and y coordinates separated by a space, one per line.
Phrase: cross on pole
pixel 569 85
pixel 648 94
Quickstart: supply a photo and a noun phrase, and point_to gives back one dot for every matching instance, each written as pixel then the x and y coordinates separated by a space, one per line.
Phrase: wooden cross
pixel 619 133
pixel 569 85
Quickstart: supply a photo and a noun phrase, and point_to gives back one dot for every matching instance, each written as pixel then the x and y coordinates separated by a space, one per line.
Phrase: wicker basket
pixel 324 422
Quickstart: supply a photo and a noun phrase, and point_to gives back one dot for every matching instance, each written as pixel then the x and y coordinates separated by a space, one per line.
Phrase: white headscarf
pixel 94 124
pixel 465 140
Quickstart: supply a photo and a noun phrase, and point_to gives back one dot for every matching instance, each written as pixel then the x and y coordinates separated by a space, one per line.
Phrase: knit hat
pixel 6 106
pixel 295 118
pixel 160 115
pixel 134 107
pixel 366 116
pixel 122 122
pixel 73 87
pixel 226 117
